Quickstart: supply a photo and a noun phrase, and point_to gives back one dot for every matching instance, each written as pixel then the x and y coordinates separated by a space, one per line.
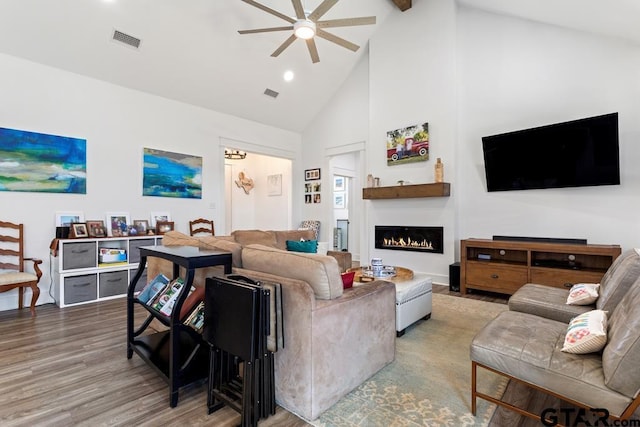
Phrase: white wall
pixel 412 81
pixel 117 123
pixel 470 74
pixel 409 79
pixel 516 74
pixel 341 127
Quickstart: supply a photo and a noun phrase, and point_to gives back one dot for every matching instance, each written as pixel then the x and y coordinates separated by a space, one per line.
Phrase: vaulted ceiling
pixel 191 50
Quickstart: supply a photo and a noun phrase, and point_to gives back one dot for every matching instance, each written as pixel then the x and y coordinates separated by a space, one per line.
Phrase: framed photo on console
pixel 141 225
pixel 95 228
pixel 78 230
pixel 117 223
pixel 163 226
pixel 64 219
pixel 159 216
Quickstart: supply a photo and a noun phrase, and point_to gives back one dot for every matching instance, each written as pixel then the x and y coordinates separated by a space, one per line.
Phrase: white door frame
pixel 356 203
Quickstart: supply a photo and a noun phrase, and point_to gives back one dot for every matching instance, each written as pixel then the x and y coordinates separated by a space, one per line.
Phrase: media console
pixel 503 266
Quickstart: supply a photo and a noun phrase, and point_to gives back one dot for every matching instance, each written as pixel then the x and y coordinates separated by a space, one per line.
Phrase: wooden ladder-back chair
pixel 201 226
pixel 12 262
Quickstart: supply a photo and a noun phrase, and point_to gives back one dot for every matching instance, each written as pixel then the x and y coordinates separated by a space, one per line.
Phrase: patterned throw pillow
pixel 583 293
pixel 587 333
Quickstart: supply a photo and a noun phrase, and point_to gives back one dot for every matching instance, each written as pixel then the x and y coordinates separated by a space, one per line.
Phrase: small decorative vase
pixel 376 266
pixel 369 180
pixel 439 170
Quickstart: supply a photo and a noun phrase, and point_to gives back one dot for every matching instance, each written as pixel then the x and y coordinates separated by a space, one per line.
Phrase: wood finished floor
pixel 68 367
pixel 473 294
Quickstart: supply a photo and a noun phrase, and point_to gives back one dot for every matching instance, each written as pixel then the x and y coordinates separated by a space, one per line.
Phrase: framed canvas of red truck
pixel 408 145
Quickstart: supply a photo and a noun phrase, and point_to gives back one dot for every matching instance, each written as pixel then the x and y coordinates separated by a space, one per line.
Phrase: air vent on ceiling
pixel 126 39
pixel 271 93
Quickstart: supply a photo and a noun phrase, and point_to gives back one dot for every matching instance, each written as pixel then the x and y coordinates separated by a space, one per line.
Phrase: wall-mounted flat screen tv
pixel 570 154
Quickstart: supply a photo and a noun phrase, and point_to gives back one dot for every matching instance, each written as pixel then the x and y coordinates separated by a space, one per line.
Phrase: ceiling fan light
pixel 304 29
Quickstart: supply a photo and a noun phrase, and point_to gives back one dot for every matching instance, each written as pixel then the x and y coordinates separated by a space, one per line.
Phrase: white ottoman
pixel 413 301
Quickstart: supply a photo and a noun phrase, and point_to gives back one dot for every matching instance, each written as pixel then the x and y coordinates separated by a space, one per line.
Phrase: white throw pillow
pixel 323 248
pixel 587 333
pixel 583 293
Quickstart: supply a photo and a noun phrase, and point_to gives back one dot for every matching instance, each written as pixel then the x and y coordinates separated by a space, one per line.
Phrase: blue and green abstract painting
pixel 31 161
pixel 167 174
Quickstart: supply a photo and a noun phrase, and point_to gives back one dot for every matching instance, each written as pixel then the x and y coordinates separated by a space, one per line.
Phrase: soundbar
pixel 542 239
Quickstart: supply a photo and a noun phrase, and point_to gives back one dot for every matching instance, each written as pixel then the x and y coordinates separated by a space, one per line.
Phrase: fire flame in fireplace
pixel 408 242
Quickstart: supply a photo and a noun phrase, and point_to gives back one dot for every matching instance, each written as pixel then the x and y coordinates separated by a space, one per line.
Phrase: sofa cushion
pixel 618 279
pixel 587 333
pixel 308 246
pixel 259 237
pixel 320 272
pixel 283 235
pixel 583 293
pixel 175 238
pixel 546 301
pixel 621 355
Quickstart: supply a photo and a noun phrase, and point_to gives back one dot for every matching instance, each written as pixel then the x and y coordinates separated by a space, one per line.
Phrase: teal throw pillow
pixel 309 246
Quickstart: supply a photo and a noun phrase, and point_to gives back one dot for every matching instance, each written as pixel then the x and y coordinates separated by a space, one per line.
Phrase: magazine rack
pixel 239 330
pixel 179 354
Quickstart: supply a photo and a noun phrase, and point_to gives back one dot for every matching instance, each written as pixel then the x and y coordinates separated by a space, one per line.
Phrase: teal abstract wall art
pixel 167 174
pixel 31 161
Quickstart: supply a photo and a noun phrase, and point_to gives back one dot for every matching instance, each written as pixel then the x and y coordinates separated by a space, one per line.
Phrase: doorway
pixel 346 198
pixel 257 193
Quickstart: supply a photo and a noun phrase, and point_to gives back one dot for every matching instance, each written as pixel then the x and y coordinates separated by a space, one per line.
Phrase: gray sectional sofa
pixel 334 339
pixel 526 344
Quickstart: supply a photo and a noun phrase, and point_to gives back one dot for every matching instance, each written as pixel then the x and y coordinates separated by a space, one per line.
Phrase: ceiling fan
pixel 306 26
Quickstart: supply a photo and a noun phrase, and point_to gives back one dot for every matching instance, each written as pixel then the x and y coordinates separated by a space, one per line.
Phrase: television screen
pixel 571 154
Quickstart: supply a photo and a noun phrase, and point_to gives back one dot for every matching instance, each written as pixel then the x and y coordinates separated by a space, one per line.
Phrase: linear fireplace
pixel 407 238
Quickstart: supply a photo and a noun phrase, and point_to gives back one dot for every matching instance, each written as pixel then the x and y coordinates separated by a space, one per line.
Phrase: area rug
pixel 429 382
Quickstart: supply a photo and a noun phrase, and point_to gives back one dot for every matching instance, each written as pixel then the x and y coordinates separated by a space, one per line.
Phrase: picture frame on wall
pixel 95 228
pixel 117 223
pixel 78 230
pixel 311 174
pixel 338 183
pixel 339 200
pixel 274 185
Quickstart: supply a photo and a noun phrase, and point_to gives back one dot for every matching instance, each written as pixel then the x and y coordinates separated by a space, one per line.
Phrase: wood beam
pixel 403 4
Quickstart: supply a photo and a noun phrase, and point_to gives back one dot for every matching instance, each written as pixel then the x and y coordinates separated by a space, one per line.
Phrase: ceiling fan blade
pixel 322 9
pixel 297 6
pixel 284 45
pixel 266 30
pixel 269 10
pixel 337 40
pixel 347 22
pixel 313 50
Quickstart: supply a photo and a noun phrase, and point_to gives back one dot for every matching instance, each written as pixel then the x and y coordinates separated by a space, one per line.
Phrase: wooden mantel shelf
pixel 438 189
pixel 403 4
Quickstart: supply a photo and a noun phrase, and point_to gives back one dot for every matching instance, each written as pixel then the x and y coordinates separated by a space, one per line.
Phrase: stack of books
pixel 161 294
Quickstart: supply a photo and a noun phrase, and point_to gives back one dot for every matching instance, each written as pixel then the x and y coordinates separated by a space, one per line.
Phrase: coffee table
pixel 402 274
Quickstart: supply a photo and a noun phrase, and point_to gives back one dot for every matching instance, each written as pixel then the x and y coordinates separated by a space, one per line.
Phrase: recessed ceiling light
pixel 288 76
